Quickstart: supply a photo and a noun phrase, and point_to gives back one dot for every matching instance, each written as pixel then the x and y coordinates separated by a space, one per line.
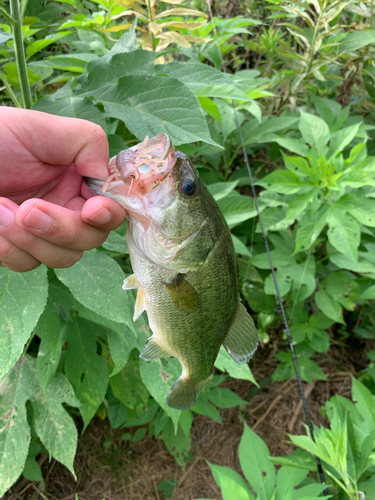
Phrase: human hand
pixel 47 214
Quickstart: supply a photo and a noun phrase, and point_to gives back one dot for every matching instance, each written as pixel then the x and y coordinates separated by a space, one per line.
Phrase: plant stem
pixel 20 54
pixel 150 20
pixel 23 7
pixel 10 91
pixel 9 18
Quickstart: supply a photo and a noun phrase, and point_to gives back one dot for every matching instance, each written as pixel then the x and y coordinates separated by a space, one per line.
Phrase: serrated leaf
pixel 256 465
pixel 52 423
pixel 96 282
pixel 73 107
pixel 314 130
pixel 344 233
pixel 158 377
pixel 204 80
pixel 86 370
pixel 14 428
pixel 23 297
pixel 152 105
pixel 138 62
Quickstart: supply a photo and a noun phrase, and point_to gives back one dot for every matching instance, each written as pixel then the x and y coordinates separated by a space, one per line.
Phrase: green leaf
pixel 344 233
pixel 49 330
pixel 14 429
pixel 363 400
pixel 225 398
pixel 329 306
pixel 204 80
pixel 152 105
pixel 357 40
pixel 86 370
pixel 283 181
pixel 292 145
pixel 51 422
pixel 287 479
pixel 158 377
pixel 341 139
pixel 138 62
pixel 225 363
pixel 96 282
pixel 220 190
pixel 239 247
pixel 121 345
pixel 128 387
pixel 38 45
pixel 368 294
pixel 310 227
pixel 237 208
pixel 23 297
pixel 116 243
pixel 361 208
pixel 232 485
pixel 73 107
pixel 314 130
pixel 256 465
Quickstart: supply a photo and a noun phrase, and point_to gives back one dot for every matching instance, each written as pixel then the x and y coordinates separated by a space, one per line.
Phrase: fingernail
pixel 6 216
pixel 36 219
pixel 101 216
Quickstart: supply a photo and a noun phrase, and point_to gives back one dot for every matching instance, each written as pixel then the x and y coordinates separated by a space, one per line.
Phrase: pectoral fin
pixel 130 282
pixel 183 294
pixel 242 339
pixel 140 303
pixel 153 350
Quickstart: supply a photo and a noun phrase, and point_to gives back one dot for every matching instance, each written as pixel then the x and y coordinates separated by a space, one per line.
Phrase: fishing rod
pixel 287 330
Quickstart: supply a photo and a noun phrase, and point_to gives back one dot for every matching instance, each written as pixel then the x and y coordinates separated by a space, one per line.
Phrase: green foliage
pixel 68 343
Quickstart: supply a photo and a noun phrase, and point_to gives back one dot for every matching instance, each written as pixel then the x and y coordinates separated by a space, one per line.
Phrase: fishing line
pixel 295 363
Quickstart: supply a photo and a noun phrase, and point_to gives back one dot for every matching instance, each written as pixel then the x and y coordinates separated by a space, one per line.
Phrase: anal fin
pixel 183 294
pixel 154 350
pixel 242 339
pixel 140 303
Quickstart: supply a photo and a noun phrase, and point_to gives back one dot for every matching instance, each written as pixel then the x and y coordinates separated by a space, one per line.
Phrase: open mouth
pixel 141 167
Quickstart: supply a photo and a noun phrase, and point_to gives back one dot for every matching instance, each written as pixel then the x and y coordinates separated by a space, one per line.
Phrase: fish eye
pixel 187 187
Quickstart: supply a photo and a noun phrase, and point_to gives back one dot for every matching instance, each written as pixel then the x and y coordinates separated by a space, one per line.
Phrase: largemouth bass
pixel 185 267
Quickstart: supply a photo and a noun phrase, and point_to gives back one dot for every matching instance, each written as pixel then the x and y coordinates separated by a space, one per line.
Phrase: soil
pixel 120 472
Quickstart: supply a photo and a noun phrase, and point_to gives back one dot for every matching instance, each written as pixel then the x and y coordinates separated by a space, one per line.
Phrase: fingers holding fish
pixel 14 258
pixel 60 226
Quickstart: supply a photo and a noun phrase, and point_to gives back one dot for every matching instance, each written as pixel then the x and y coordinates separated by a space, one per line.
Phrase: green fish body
pixel 185 267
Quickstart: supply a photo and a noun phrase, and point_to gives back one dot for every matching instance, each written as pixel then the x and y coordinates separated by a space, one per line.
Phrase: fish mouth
pixel 137 170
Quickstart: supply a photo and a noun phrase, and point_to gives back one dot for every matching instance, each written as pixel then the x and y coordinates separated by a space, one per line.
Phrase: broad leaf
pixel 314 130
pixel 356 40
pixel 310 227
pixel 152 105
pixel 237 208
pixel 256 465
pixel 329 306
pixel 232 485
pixel 284 182
pixel 96 281
pixel 158 377
pixel 23 297
pixel 344 233
pixel 138 62
pixel 225 363
pixel 204 80
pixel 86 370
pixel 73 107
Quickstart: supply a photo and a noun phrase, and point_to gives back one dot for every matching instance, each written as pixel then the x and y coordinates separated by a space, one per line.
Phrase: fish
pixel 184 263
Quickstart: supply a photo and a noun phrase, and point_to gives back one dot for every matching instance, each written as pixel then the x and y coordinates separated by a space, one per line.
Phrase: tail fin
pixel 184 392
